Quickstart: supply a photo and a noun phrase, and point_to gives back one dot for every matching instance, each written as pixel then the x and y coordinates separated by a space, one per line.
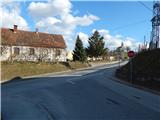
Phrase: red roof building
pixel 25 40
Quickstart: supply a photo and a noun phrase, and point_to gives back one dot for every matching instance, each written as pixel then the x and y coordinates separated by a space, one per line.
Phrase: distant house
pixel 23 45
pixel 70 55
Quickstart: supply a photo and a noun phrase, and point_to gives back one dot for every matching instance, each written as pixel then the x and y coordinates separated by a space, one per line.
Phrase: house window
pixel 16 51
pixel 31 51
pixel 3 50
pixel 45 51
pixel 58 52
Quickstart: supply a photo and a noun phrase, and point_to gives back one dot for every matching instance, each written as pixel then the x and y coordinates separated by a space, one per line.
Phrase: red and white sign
pixel 131 54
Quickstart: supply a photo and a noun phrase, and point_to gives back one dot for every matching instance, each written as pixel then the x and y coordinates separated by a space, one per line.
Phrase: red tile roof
pixel 27 38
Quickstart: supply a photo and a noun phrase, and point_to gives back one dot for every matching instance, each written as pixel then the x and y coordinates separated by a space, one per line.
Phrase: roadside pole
pixel 131 54
pixel 131 71
pixel 119 62
pixel 119 57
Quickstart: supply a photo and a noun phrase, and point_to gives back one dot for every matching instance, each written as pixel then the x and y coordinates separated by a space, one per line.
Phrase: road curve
pixel 89 94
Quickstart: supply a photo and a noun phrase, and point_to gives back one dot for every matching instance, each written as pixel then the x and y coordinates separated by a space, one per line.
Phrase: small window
pixel 45 51
pixel 31 51
pixel 3 50
pixel 58 52
pixel 16 51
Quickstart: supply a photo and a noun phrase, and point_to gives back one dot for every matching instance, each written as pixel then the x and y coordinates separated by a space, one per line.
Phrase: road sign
pixel 131 54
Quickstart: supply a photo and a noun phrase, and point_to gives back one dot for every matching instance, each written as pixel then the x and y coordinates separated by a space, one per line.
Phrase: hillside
pixel 146 69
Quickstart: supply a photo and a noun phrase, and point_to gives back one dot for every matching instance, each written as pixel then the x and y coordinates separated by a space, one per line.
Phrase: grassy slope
pixel 146 68
pixel 147 62
pixel 11 70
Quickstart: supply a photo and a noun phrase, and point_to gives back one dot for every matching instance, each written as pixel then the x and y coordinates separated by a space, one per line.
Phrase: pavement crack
pixel 112 101
pixel 50 115
pixel 137 97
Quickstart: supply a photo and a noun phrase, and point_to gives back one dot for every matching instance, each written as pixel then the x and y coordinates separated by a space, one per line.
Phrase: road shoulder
pixel 145 98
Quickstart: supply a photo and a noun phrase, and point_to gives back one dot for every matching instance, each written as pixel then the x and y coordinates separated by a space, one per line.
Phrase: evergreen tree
pixel 96 46
pixel 79 53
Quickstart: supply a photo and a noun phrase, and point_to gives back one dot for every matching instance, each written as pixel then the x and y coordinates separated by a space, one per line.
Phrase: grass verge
pixel 21 69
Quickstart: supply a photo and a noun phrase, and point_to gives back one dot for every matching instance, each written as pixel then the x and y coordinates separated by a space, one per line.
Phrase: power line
pixel 131 24
pixel 145 6
pixel 135 23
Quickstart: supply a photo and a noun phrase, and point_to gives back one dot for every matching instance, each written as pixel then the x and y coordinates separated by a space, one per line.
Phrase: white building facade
pixel 20 45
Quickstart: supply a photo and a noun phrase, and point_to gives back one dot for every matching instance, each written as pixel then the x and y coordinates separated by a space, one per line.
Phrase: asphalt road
pixel 90 94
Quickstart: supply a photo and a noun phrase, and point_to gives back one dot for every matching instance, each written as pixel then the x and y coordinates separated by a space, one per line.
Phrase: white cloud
pixel 50 8
pixel 11 15
pixel 118 36
pixel 84 37
pixel 112 41
pixel 40 9
pixel 56 16
pixel 132 43
pixel 85 20
pixel 48 21
pixel 4 2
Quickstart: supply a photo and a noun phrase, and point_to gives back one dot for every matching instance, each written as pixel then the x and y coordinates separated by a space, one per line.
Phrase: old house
pixel 23 45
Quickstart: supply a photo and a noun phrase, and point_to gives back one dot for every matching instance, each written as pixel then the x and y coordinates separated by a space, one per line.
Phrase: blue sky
pixel 117 21
pixel 125 18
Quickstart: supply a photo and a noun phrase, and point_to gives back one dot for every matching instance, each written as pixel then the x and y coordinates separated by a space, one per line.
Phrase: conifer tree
pixel 96 46
pixel 79 53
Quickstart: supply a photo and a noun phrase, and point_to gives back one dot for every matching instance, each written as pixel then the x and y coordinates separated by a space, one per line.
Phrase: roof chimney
pixel 15 28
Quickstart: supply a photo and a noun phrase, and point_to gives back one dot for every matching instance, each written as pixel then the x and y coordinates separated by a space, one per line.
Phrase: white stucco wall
pixel 6 54
pixel 48 54
pixel 70 55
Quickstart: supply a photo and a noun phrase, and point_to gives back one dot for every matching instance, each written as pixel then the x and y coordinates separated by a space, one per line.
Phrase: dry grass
pixel 146 70
pixel 21 69
pixel 78 65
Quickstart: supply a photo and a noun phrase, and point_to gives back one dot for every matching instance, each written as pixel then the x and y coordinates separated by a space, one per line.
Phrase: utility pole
pixel 155 34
